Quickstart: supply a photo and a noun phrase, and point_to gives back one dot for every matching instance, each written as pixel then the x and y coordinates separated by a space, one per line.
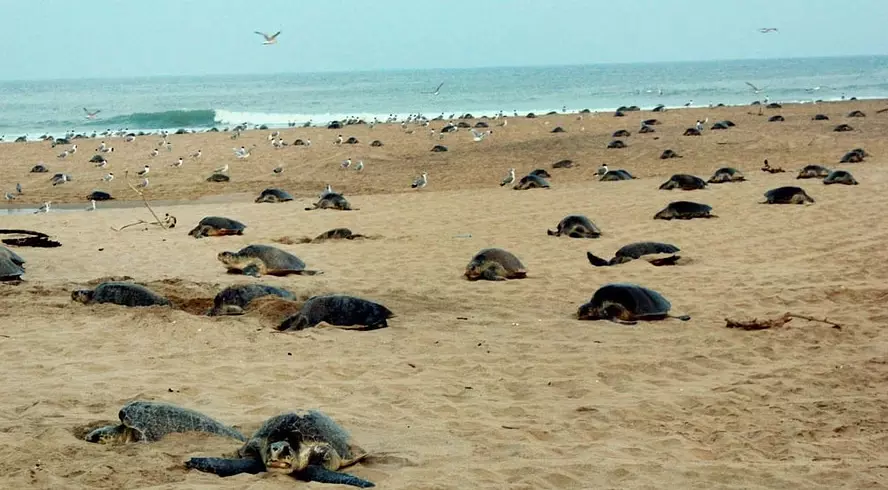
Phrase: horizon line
pixel 491 67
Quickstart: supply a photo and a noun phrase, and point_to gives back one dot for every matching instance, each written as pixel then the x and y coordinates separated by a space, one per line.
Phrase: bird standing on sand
pixel 108 178
pixel 360 166
pixel 196 154
pixel 92 206
pixel 144 171
pixel 44 208
pixel 10 196
pixel 154 153
pixel 327 190
pixel 73 150
pixel 338 140
pixel 478 136
pixel 61 179
pixel 18 188
pixel 602 170
pixel 63 155
pixel 222 169
pixel 272 39
pixel 420 181
pixel 178 163
pixel 346 163
pixel 508 178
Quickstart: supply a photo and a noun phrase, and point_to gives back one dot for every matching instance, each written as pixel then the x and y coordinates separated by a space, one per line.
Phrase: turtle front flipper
pixel 323 475
pixel 596 260
pixel 226 467
pixel 252 270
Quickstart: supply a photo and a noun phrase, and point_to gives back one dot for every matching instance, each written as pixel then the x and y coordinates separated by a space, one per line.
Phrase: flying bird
pixel 478 136
pixel 272 39
pixel 765 30
pixel 438 89
pixel 91 115
pixel 754 88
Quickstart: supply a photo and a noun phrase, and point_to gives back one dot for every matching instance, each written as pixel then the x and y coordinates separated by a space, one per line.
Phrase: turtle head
pixel 223 310
pixel 281 457
pixel 82 295
pixel 198 232
pixel 228 258
pixel 109 434
pixel 588 311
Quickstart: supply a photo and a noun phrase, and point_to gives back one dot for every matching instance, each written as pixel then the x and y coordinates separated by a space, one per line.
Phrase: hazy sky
pixel 49 39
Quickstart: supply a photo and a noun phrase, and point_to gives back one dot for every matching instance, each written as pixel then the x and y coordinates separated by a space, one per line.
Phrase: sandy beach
pixel 475 384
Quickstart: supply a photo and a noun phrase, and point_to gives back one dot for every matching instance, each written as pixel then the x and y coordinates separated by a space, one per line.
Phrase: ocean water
pixel 54 107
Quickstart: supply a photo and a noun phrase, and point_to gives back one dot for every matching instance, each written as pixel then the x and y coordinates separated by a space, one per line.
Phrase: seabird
pixel 63 154
pixel 765 30
pixel 420 181
pixel 144 171
pixel 10 196
pixel 44 208
pixel 73 149
pixel 327 190
pixel 59 180
pixel 222 169
pixel 476 136
pixel 154 152
pixel 438 89
pixel 346 163
pixel 508 179
pixel 107 149
pixel 602 170
pixel 196 154
pixel 338 140
pixel 102 164
pixel 91 115
pixel 178 163
pixel 360 165
pixel 18 188
pixel 755 89
pixel 109 177
pixel 272 39
pixel 92 205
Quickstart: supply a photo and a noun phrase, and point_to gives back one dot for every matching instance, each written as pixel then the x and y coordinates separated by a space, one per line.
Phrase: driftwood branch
pixel 168 221
pixel 756 324
pixel 145 201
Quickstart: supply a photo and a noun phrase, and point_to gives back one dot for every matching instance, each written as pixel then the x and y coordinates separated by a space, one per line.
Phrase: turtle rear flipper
pixel 252 270
pixel 306 272
pixel 323 475
pixel 671 260
pixel 226 467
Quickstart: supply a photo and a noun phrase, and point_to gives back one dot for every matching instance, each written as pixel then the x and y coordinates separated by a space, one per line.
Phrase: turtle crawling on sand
pixel 531 181
pixel 337 234
pixel 787 195
pixel 685 210
pixel 12 266
pixel 274 195
pixel 233 299
pixel 637 250
pixel 120 293
pixel 309 446
pixel 217 226
pixel 258 260
pixel 618 174
pixel 332 200
pixel 341 311
pixel 685 182
pixel 576 226
pixel 840 177
pixel 627 304
pixel 147 421
pixel 813 172
pixel 495 264
pixel 726 174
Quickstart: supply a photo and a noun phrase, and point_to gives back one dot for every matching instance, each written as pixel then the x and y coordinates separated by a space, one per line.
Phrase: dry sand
pixel 474 385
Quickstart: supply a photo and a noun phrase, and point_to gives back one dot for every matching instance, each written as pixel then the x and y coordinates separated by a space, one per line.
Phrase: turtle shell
pixel 640 301
pixel 274 195
pixel 639 249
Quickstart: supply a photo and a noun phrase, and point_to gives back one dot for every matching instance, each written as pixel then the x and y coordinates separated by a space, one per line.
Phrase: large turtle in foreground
pixel 309 446
pixel 637 250
pixel 274 195
pixel 576 226
pixel 626 303
pixel 233 299
pixel 685 210
pixel 258 260
pixel 332 200
pixel 787 195
pixel 495 264
pixel 148 421
pixel 341 311
pixel 217 226
pixel 120 293
pixel 685 182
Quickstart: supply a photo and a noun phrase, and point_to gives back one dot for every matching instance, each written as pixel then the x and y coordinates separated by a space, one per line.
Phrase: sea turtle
pixel 557 129
pixel 843 128
pixel 692 132
pixel 541 173
pixel 840 177
pixel 856 114
pixel 813 172
pixel 854 156
pixel 576 226
pixel 220 177
pixel 667 154
pixel 726 174
pixel 99 196
pixel 618 174
pixel 257 260
pixel 495 264
pixel 721 125
pixel 626 303
pixel 148 421
pixel 336 234
pixel 309 446
pixel 645 129
pixel 341 311
pixel 787 195
pixel 39 169
pixel 684 182
pixel 621 133
pixel 820 117
pixel 233 299
pixel 217 226
pixel 376 143
pixel 531 181
pixel 776 118
pixel 439 148
pixel 616 144
pixel 563 164
pixel 12 266
pixel 685 210
pixel 332 200
pixel 274 195
pixel 120 293
pixel 637 250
